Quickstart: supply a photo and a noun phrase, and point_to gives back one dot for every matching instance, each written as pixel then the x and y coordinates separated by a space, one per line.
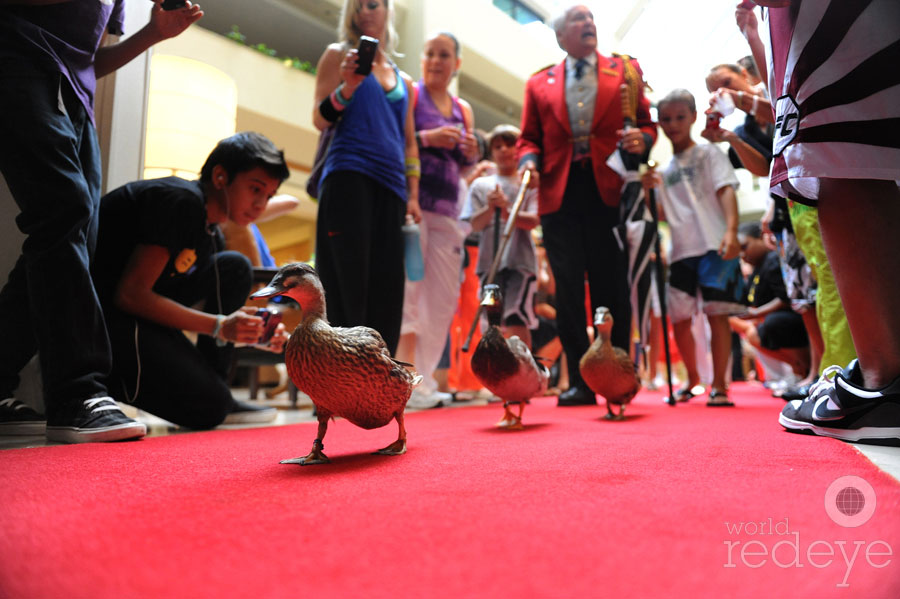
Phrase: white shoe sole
pixel 859 434
pixel 119 432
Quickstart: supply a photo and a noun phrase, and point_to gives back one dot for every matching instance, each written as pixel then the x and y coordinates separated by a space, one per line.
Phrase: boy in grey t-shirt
pixel 516 274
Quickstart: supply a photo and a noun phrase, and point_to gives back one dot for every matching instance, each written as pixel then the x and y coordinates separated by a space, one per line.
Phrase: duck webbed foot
pixel 398 447
pixel 610 415
pixel 316 456
pixel 510 421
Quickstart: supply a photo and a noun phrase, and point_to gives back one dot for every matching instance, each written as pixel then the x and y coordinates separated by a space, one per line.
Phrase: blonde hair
pixel 349 33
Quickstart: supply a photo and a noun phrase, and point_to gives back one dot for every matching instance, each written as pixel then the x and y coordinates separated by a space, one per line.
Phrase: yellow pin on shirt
pixel 609 72
pixel 185 260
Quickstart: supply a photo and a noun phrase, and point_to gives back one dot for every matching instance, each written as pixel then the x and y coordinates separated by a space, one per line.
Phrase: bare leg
pixel 684 339
pixel 858 220
pixel 816 343
pixel 316 456
pixel 720 347
pixel 398 447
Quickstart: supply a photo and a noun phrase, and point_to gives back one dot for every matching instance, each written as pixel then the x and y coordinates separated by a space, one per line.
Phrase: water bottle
pixel 415 265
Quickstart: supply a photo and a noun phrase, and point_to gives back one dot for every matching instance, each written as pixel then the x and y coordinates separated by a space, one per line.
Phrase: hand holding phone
pixel 173 4
pixel 270 323
pixel 365 54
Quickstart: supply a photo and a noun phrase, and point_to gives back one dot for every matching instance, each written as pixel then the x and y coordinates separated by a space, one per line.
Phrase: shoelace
pixel 12 403
pixel 100 404
pixel 825 384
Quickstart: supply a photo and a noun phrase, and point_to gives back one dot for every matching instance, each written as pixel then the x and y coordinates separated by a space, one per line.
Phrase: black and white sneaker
pixel 18 419
pixel 245 412
pixel 838 406
pixel 94 420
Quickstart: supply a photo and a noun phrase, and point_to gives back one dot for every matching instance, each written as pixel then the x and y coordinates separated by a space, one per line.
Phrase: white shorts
pixel 833 72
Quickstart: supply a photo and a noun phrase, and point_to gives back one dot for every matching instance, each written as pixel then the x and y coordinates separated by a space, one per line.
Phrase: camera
pixel 713 119
pixel 172 4
pixel 270 323
pixel 366 54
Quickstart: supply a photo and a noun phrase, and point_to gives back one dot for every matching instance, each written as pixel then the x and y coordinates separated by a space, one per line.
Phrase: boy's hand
pixel 242 326
pixel 497 199
pixel 729 248
pixel 170 23
pixel 649 180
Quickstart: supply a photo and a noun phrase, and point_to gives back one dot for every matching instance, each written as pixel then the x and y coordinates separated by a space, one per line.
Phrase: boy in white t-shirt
pixel 699 203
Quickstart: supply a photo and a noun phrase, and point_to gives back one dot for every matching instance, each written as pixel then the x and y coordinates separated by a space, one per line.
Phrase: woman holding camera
pixel 370 179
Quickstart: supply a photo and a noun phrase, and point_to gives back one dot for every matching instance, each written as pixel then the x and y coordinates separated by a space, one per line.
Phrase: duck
pixel 609 371
pixel 506 367
pixel 345 371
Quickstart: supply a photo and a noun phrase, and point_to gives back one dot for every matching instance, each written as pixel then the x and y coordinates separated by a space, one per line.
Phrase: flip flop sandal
pixel 719 399
pixel 681 395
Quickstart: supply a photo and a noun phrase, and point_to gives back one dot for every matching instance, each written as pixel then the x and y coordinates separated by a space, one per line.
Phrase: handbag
pixel 312 183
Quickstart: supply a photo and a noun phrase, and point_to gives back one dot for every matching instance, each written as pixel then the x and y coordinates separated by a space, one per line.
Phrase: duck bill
pixel 267 291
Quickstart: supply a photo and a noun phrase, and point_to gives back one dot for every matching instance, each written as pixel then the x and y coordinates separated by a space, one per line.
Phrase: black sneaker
pixel 18 419
pixel 97 419
pixel 245 412
pixel 838 406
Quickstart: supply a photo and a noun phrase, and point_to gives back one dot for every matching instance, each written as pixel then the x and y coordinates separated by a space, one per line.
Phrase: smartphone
pixel 172 4
pixel 366 54
pixel 270 323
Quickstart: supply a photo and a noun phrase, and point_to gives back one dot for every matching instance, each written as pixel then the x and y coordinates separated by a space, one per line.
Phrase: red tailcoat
pixel 547 135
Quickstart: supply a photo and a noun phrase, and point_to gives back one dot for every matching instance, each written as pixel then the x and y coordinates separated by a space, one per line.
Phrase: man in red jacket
pixel 572 120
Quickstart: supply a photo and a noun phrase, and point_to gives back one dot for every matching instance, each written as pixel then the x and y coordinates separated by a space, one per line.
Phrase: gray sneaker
pixel 16 418
pixel 93 420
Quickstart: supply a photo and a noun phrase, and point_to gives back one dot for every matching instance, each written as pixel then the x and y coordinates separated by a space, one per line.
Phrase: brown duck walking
pixel 506 366
pixel 347 372
pixel 608 370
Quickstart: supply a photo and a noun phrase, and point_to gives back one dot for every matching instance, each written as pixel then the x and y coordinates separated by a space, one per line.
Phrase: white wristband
pixel 755 105
pixel 220 318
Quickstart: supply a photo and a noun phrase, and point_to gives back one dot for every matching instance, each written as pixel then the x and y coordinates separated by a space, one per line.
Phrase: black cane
pixel 661 285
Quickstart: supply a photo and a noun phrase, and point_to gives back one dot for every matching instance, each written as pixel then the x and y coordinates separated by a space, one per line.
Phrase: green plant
pixel 290 62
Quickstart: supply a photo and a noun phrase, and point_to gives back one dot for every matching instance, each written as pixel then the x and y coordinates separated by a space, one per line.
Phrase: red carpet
pixel 573 506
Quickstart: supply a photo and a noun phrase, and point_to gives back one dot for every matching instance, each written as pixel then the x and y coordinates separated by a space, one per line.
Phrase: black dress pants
pixel 580 243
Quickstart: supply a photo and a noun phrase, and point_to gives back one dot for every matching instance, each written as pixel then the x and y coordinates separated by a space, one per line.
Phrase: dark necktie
pixel 579 67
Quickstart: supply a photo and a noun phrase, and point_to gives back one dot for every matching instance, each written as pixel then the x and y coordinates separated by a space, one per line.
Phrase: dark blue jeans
pixel 159 370
pixel 51 162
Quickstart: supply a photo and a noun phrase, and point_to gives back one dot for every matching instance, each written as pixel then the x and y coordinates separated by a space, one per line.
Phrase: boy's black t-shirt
pixel 766 282
pixel 170 212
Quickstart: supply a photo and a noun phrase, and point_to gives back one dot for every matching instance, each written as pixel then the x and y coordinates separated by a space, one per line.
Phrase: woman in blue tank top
pixel 370 180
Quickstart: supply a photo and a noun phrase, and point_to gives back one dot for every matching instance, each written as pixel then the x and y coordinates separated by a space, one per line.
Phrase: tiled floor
pixel 886 458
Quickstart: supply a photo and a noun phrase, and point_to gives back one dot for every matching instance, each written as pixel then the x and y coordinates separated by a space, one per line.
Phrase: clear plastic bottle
pixel 415 265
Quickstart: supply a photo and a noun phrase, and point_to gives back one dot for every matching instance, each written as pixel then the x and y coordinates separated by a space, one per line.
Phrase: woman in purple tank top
pixel 444 126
